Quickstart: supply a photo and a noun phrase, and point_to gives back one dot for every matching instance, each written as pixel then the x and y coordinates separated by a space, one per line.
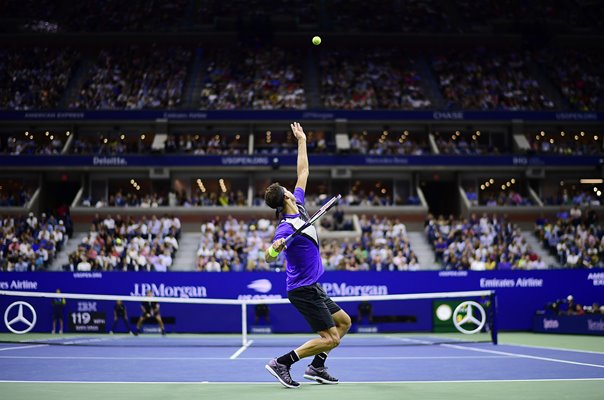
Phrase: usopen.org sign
pixel 163 290
pixel 343 289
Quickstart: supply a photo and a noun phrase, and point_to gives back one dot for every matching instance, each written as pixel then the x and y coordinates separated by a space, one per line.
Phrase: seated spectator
pixel 576 243
pixel 565 143
pixel 381 79
pixel 258 78
pixel 135 78
pixel 390 16
pixel 480 243
pixel 28 83
pixel 39 144
pixel 579 78
pixel 484 80
pixel 128 245
pixel 30 244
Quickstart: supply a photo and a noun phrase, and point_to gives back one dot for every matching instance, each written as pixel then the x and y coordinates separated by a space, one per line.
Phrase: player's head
pixel 149 293
pixel 276 196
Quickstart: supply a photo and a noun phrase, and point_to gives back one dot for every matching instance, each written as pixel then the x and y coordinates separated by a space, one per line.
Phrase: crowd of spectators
pixel 380 79
pixel 302 11
pixel 383 246
pixel 388 144
pixel 233 245
pixel 463 144
pixel 96 15
pixel 211 144
pixel 111 143
pixel 487 80
pixel 15 194
pixel 34 78
pixel 279 142
pixel 214 198
pixel 579 77
pixel 29 243
pixel 253 78
pixel 565 143
pixel 40 144
pixel 568 306
pixel 127 245
pixel 574 237
pixel 571 196
pixel 480 243
pixel 134 78
pixel 389 16
pixel 173 198
pixel 507 197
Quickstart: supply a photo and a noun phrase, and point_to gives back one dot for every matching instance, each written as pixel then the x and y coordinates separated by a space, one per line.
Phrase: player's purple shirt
pixel 304 266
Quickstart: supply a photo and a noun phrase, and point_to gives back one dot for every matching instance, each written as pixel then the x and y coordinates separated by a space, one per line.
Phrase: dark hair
pixel 274 197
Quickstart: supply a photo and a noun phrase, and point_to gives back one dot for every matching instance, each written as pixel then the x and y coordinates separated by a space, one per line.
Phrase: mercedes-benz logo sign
pixel 467 310
pixel 17 315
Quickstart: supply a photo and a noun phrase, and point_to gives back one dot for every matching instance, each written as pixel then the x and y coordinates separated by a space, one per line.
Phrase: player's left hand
pixel 298 131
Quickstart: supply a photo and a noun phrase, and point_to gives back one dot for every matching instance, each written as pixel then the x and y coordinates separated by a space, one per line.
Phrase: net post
pixel 493 297
pixel 244 323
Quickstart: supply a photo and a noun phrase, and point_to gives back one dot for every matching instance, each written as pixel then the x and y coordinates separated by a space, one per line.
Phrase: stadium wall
pixel 520 294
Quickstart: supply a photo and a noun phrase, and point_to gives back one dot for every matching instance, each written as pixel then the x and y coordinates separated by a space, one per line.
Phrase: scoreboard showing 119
pixel 87 318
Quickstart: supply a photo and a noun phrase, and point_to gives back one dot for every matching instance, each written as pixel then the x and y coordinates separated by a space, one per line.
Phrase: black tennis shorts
pixel 314 305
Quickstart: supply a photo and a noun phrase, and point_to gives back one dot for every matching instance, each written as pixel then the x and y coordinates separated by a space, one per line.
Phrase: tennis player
pixel 304 268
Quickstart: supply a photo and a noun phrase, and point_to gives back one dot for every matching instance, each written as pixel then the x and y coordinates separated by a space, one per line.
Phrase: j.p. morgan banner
pixel 520 294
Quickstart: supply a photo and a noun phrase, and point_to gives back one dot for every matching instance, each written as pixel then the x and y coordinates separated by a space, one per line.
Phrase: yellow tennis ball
pixel 316 40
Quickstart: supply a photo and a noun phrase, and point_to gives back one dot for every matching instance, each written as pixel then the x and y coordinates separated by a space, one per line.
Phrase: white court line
pixel 23 347
pixel 242 359
pixel 552 348
pixel 241 350
pixel 308 383
pixel 409 340
pixel 531 346
pixel 453 346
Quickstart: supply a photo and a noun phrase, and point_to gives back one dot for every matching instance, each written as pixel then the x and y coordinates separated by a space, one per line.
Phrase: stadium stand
pixel 34 78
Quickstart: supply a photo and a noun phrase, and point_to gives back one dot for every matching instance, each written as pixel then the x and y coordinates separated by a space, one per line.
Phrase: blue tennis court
pixel 387 358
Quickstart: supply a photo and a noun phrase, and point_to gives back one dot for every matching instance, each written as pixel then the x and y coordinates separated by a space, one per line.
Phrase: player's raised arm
pixel 302 156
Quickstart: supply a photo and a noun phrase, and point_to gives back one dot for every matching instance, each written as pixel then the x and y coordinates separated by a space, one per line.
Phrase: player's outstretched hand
pixel 298 131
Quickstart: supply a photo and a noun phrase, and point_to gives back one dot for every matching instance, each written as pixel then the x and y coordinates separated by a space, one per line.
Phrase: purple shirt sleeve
pixel 299 195
pixel 283 231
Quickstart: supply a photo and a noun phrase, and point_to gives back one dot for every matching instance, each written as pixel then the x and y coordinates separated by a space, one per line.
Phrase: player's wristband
pixel 272 252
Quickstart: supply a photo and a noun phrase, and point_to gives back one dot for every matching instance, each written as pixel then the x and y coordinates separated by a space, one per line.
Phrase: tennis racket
pixel 320 212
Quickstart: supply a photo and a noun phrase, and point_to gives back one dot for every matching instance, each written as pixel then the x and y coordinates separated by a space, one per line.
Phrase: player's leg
pixel 317 370
pixel 343 322
pixel 327 340
pixel 139 324
pixel 161 324
pixel 280 367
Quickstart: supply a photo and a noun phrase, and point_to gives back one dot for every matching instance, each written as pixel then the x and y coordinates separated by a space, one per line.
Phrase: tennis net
pixel 381 320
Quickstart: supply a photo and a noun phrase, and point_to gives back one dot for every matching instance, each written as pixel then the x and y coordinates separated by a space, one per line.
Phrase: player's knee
pixel 333 341
pixel 347 322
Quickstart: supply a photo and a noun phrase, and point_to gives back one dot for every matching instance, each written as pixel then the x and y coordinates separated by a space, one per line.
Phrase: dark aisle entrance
pixel 442 196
